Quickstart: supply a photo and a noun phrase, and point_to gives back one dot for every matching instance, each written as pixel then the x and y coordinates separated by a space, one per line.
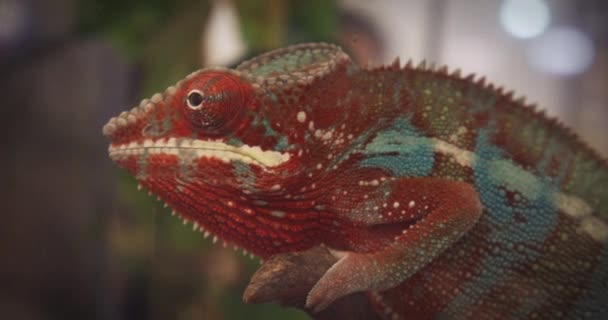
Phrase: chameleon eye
pixel 195 99
pixel 214 102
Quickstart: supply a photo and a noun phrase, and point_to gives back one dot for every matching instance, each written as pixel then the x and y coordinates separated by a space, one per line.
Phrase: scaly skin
pixel 442 196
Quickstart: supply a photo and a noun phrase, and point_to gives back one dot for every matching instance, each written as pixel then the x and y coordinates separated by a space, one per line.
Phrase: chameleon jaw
pixel 188 150
pixel 197 227
pixel 200 148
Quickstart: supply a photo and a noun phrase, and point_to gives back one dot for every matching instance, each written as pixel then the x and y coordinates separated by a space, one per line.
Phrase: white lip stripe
pixel 573 206
pixel 200 148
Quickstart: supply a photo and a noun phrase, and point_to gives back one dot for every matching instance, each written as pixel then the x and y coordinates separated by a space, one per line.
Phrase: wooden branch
pixel 287 278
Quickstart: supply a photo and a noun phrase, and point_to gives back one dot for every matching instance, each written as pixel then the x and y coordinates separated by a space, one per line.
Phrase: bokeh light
pixel 524 18
pixel 222 41
pixel 562 51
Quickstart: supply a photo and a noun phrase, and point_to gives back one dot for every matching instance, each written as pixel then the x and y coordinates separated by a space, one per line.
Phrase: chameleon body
pixel 441 195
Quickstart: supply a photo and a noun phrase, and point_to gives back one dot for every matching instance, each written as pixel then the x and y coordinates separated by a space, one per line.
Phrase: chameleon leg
pixel 452 209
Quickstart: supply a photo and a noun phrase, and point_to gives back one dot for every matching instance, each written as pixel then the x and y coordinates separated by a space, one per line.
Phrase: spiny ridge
pixel 519 102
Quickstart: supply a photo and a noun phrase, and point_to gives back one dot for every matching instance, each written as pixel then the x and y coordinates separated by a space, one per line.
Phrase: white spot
pixel 573 206
pixel 301 116
pixel 327 135
pixel 595 228
pixel 278 214
pixel 463 157
pixel 396 205
pixel 275 187
pixel 411 204
pixel 580 210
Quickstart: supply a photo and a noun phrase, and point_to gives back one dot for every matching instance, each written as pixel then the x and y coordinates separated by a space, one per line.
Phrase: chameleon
pixel 442 195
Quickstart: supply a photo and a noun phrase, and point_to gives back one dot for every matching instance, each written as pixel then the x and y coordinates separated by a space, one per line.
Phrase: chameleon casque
pixel 442 196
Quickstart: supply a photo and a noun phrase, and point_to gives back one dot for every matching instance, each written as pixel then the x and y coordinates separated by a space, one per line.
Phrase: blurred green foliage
pixel 313 20
pixel 270 24
pixel 130 24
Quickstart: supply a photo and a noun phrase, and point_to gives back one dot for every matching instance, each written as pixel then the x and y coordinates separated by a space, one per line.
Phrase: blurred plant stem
pixel 264 23
pixel 271 24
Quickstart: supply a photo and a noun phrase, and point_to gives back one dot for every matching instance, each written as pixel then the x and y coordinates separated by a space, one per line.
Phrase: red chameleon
pixel 442 196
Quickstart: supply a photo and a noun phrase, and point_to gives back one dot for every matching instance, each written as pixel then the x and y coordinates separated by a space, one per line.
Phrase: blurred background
pixel 77 241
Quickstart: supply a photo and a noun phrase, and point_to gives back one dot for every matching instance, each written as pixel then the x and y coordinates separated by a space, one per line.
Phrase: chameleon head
pixel 222 147
pixel 205 117
pixel 198 146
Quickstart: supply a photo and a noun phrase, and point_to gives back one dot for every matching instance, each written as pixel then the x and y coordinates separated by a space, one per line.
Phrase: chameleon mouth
pixel 194 148
pixel 189 150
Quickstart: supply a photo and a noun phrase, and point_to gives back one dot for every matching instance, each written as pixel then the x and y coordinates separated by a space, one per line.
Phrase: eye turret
pixel 215 102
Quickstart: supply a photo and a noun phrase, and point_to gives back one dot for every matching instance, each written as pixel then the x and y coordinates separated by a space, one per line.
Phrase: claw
pixel 348 275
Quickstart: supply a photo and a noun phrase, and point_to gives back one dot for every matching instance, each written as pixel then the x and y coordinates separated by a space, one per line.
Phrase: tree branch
pixel 287 278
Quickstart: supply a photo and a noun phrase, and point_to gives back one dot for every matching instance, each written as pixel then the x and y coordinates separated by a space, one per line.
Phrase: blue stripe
pixel 506 232
pixel 400 150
